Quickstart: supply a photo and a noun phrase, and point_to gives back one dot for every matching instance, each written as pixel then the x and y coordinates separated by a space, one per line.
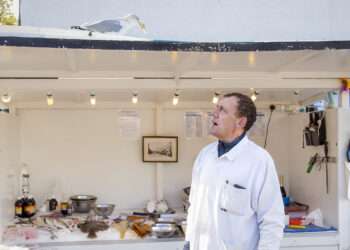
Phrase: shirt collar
pixel 231 155
pixel 224 147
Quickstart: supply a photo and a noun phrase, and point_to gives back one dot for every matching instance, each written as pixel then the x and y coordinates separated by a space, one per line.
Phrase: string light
pixel 254 96
pixel 176 99
pixel 216 98
pixel 49 99
pixel 92 99
pixel 6 98
pixel 135 98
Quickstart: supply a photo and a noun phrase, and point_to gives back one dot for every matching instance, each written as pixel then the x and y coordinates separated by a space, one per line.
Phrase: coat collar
pixel 232 154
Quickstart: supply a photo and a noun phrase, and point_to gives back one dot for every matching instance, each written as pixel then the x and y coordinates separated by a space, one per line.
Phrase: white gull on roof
pixel 54 33
pixel 121 25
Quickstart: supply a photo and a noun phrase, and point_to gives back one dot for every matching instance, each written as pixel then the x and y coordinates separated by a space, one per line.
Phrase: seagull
pixel 120 25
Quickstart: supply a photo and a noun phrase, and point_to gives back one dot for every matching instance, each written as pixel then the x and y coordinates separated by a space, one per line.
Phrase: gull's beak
pixel 142 27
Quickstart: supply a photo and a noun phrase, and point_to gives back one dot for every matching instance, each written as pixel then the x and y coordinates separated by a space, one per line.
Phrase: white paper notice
pixel 193 124
pixel 129 125
pixel 209 122
pixel 259 127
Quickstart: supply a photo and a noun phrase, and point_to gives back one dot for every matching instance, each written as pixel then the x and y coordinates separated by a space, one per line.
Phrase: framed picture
pixel 159 148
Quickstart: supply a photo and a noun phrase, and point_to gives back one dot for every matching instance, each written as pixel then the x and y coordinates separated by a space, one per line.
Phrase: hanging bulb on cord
pixel 216 98
pixel 176 99
pixel 6 98
pixel 49 99
pixel 92 99
pixel 254 96
pixel 135 98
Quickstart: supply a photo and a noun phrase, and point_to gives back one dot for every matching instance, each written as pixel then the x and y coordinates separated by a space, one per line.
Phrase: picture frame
pixel 160 149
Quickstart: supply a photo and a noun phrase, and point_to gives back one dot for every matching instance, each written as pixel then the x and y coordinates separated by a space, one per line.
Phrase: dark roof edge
pixel 171 45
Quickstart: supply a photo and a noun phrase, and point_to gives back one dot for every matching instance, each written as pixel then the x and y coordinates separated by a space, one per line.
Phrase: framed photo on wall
pixel 159 148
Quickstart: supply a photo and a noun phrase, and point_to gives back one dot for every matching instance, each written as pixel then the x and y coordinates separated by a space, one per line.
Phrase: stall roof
pixel 33 61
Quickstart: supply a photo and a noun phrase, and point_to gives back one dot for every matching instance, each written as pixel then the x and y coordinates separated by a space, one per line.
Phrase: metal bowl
pixel 83 203
pixel 104 210
pixel 164 229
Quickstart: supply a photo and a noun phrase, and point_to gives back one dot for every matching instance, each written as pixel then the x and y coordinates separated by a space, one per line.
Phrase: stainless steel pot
pixel 83 203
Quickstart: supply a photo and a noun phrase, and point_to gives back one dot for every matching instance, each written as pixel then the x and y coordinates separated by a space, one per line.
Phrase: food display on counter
pixel 92 227
pixel 83 219
pixel 55 226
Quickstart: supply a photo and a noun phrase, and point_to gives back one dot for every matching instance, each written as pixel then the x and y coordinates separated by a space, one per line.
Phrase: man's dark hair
pixel 246 108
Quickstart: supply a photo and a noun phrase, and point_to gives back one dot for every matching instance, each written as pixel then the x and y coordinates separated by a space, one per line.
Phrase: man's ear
pixel 242 122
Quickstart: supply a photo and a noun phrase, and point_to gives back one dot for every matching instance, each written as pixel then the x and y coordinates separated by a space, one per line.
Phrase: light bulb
pixel 6 98
pixel 134 99
pixel 176 99
pixel 254 96
pixel 49 99
pixel 93 99
pixel 215 98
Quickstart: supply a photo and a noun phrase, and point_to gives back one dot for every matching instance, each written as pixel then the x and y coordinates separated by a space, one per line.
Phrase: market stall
pixel 78 119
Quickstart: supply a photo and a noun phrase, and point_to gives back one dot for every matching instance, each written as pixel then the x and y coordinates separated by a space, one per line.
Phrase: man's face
pixel 226 124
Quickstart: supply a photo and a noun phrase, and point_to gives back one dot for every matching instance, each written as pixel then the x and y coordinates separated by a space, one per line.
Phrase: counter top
pixel 310 239
pixel 111 236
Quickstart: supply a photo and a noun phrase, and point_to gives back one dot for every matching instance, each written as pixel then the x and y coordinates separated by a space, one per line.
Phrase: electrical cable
pixel 272 108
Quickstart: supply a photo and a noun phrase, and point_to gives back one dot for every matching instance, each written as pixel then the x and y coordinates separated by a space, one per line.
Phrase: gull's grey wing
pixel 105 26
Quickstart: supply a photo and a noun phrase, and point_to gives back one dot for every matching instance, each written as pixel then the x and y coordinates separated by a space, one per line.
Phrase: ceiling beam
pixel 215 83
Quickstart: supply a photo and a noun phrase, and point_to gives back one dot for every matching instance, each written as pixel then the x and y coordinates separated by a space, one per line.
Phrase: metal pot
pixel 83 203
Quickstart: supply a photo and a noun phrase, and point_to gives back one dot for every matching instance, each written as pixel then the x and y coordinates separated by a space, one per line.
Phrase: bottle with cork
pixel 25 205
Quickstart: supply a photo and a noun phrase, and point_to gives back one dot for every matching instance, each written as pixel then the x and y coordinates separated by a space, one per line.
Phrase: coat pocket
pixel 234 199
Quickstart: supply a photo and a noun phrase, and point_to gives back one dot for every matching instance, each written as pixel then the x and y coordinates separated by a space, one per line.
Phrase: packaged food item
pixel 29 207
pixel 19 207
pixel 64 208
pixel 53 204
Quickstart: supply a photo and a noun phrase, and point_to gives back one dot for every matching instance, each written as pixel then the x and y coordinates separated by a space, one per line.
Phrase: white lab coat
pixel 235 200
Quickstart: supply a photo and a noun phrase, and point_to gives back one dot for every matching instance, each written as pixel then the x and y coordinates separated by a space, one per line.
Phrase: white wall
pixel 344 204
pixel 82 151
pixel 205 20
pixel 311 188
pixel 278 142
pixel 9 149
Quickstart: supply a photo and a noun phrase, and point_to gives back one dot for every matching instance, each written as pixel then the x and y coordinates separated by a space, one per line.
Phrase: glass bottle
pixel 53 204
pixel 19 207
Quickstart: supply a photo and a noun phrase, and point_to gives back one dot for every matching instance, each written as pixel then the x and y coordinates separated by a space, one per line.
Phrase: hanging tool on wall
pixel 326 162
pixel 311 163
pixel 315 134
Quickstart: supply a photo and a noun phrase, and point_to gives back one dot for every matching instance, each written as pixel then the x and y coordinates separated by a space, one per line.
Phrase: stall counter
pixel 302 241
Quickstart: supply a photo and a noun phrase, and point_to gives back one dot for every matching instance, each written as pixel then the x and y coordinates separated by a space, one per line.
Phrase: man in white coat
pixel 235 199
